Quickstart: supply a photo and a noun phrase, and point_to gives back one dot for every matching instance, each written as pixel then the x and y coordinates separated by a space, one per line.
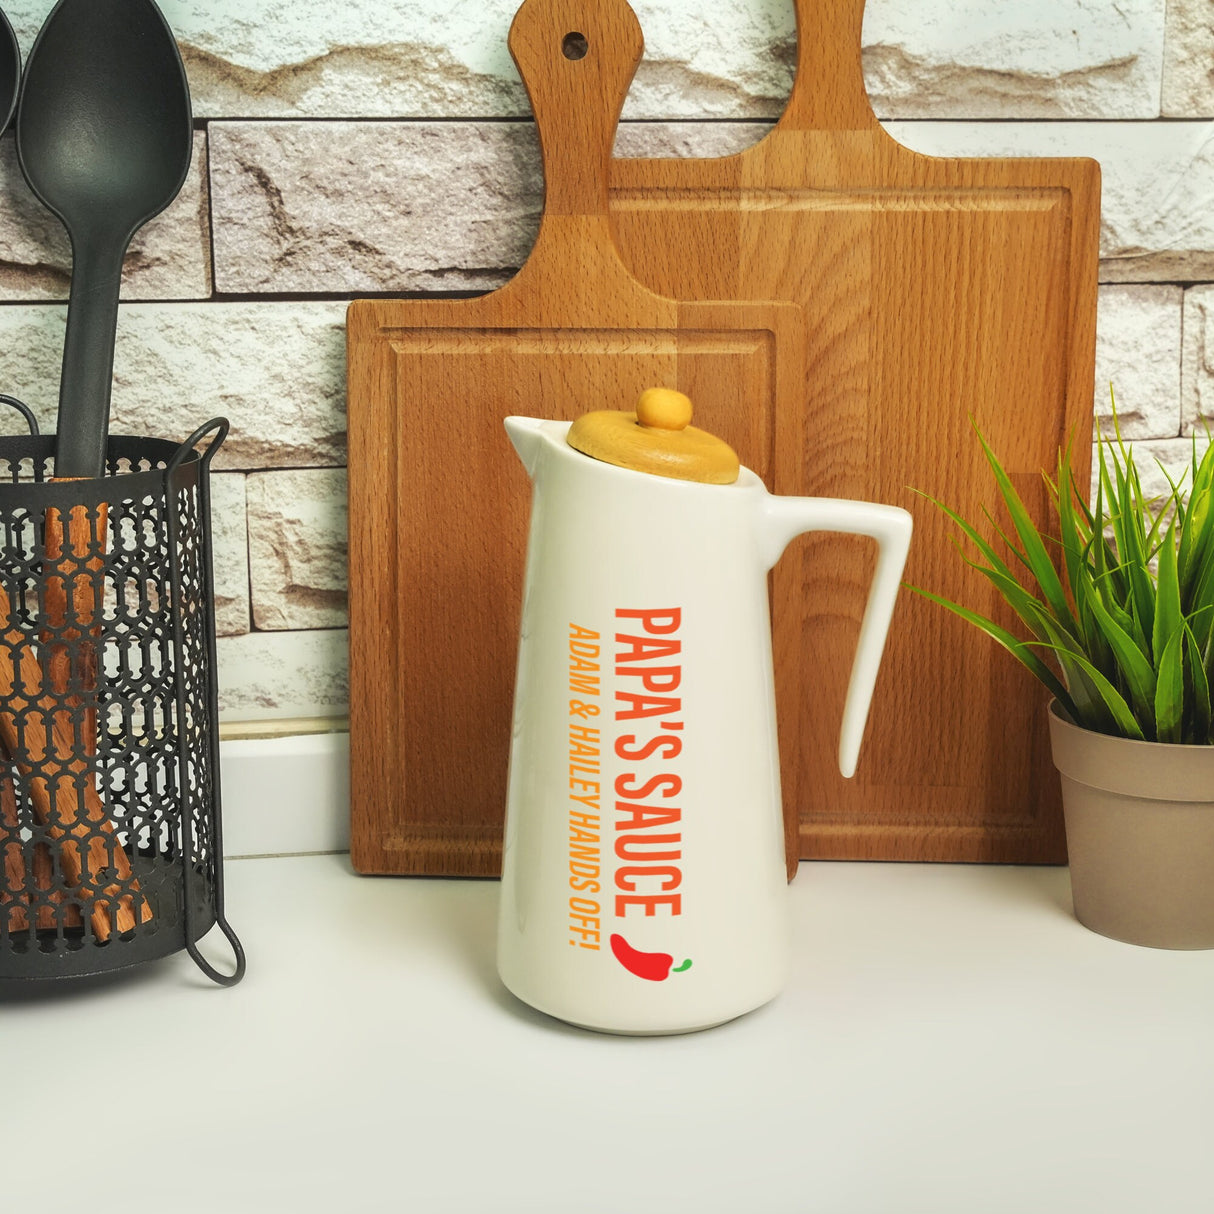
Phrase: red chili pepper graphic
pixel 653 966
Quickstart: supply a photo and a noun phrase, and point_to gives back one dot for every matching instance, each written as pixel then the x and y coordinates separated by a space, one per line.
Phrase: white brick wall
pixel 382 146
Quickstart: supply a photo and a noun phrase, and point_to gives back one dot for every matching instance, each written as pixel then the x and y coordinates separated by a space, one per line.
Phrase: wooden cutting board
pixel 933 290
pixel 438 499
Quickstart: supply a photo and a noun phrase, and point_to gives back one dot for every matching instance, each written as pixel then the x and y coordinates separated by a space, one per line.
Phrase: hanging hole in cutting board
pixel 575 46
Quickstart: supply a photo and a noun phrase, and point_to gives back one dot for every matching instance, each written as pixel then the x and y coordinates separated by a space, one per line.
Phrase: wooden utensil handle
pixel 60 787
pixel 74 556
pixel 828 92
pixel 15 895
pixel 68 804
pixel 12 917
pixel 577 59
pixel 44 746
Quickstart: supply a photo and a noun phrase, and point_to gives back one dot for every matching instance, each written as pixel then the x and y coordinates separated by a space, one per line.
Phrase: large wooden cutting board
pixel 438 501
pixel 933 290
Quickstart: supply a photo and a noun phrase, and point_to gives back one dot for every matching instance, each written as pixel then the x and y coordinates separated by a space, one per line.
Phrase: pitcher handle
pixel 784 518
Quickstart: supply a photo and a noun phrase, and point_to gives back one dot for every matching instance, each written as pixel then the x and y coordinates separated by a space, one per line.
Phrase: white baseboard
pixel 284 795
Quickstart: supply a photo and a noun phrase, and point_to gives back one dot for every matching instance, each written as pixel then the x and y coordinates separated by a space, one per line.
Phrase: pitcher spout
pixel 524 433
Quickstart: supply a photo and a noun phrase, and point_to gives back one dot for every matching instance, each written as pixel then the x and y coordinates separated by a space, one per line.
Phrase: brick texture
pixel 383 146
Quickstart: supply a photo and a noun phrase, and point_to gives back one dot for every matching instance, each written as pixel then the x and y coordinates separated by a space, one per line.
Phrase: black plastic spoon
pixel 104 138
pixel 10 72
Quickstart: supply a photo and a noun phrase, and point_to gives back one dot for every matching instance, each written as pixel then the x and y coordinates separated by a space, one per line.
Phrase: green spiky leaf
pixel 1113 700
pixel 1035 553
pixel 1169 691
pixel 1128 624
pixel 1018 649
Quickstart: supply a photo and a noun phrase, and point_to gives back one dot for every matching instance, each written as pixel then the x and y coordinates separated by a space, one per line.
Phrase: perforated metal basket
pixel 110 827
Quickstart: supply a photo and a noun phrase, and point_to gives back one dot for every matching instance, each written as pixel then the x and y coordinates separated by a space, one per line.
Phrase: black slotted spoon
pixel 10 72
pixel 104 138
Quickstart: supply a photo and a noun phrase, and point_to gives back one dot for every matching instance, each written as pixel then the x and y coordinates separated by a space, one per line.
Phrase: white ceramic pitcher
pixel 643 879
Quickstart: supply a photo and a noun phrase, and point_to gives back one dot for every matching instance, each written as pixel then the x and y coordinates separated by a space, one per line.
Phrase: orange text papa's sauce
pixel 648 824
pixel 645 827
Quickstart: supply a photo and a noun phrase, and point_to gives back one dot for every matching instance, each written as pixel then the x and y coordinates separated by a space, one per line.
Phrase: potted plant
pixel 1118 612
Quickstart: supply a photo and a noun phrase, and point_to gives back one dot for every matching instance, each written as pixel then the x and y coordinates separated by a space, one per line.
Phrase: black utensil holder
pixel 110 833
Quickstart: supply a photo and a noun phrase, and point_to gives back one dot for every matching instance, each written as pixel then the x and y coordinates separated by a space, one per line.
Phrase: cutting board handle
pixel 577 59
pixel 828 92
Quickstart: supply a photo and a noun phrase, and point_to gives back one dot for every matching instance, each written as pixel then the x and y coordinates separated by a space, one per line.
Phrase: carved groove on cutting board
pixel 577 341
pixel 868 201
pixel 747 425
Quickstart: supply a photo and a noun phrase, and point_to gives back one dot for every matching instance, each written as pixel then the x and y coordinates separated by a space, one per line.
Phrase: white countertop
pixel 951 1040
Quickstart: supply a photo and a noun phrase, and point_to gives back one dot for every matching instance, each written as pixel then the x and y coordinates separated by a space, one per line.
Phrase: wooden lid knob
pixel 658 438
pixel 664 409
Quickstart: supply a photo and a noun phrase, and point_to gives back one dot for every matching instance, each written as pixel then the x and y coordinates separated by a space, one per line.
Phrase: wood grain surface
pixel 934 291
pixel 927 293
pixel 438 500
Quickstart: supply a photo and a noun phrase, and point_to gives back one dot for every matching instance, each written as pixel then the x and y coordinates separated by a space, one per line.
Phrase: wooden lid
pixel 658 439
